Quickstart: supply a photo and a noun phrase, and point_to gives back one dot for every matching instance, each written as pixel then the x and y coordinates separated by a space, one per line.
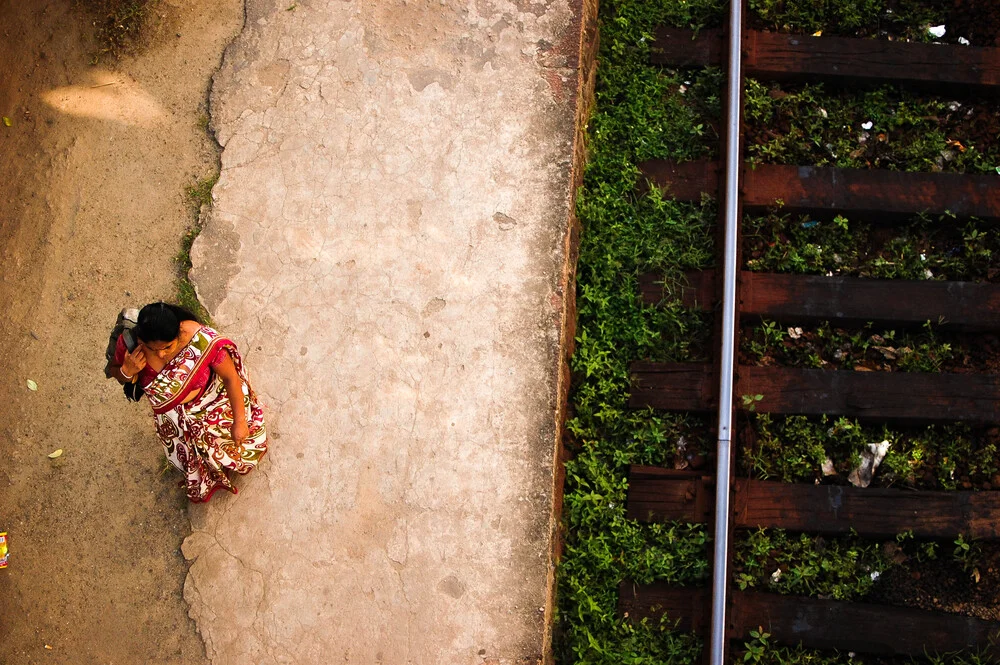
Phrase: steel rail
pixel 729 321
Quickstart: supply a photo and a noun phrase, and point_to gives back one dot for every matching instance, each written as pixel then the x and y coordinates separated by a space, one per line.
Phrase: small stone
pixel 504 222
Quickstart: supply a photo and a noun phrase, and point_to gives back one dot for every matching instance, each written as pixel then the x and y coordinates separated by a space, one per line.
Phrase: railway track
pixel 722 614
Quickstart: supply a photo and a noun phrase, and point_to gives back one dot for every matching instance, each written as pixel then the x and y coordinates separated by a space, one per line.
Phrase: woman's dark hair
pixel 161 322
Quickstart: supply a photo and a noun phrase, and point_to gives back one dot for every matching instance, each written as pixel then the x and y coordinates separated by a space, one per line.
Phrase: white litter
pixel 867 125
pixel 937 31
pixel 871 457
pixel 963 41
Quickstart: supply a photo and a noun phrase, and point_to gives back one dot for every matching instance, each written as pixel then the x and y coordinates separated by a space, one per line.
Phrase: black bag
pixel 124 326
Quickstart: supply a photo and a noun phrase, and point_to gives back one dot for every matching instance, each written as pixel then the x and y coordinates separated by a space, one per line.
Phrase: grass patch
pixel 804 565
pixel 907 19
pixel 826 347
pixel 937 457
pixel 198 195
pixel 119 23
pixel 923 248
pixel 759 650
pixel 641 112
pixel 884 128
pixel 644 112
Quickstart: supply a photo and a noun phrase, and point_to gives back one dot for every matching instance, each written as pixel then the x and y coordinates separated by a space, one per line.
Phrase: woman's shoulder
pixel 210 336
pixel 193 329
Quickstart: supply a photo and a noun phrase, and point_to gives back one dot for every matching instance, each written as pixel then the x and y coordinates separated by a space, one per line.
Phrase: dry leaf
pixel 56 453
pixel 975 575
pixel 32 385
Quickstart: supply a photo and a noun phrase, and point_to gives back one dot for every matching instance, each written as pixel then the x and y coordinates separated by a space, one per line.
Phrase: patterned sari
pixel 196 435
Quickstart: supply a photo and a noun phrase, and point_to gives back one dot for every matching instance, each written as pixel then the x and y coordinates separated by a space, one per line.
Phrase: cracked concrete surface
pixel 387 243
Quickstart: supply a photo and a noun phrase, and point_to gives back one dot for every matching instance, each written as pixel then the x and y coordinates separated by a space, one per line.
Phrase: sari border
pixel 174 401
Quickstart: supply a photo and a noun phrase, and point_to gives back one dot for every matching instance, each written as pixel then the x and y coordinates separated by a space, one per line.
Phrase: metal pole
pixel 726 364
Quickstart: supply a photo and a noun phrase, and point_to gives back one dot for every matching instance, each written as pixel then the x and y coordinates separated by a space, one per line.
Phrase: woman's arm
pixel 234 390
pixel 132 364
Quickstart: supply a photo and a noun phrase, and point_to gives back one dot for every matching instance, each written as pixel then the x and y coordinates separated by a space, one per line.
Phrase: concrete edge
pixel 586 59
pixel 212 240
pixel 210 301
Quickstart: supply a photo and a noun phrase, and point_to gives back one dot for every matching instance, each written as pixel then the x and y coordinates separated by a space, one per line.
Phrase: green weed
pixel 644 112
pixel 805 565
pixel 906 18
pixel 759 650
pixel 823 346
pixel 982 657
pixel 198 195
pixel 923 248
pixel 794 448
pixel 967 552
pixel 641 112
pixel 885 127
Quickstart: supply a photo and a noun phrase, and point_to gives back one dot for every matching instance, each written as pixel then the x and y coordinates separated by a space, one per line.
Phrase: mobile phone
pixel 130 340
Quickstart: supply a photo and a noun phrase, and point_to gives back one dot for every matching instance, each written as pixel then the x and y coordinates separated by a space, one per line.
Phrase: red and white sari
pixel 197 434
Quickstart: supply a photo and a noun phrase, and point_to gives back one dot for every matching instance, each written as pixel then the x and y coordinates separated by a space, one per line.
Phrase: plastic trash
pixel 871 457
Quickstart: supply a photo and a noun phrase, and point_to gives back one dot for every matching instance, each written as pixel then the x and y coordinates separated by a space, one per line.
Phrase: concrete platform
pixel 388 243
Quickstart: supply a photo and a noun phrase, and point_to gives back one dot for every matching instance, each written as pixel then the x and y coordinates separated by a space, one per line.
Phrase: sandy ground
pixel 92 206
pixel 389 246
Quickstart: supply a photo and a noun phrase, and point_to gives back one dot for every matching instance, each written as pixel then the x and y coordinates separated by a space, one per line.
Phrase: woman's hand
pixel 234 391
pixel 134 362
pixel 240 431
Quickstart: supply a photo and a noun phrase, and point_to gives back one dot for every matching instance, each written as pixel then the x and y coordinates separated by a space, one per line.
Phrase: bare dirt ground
pixel 94 168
